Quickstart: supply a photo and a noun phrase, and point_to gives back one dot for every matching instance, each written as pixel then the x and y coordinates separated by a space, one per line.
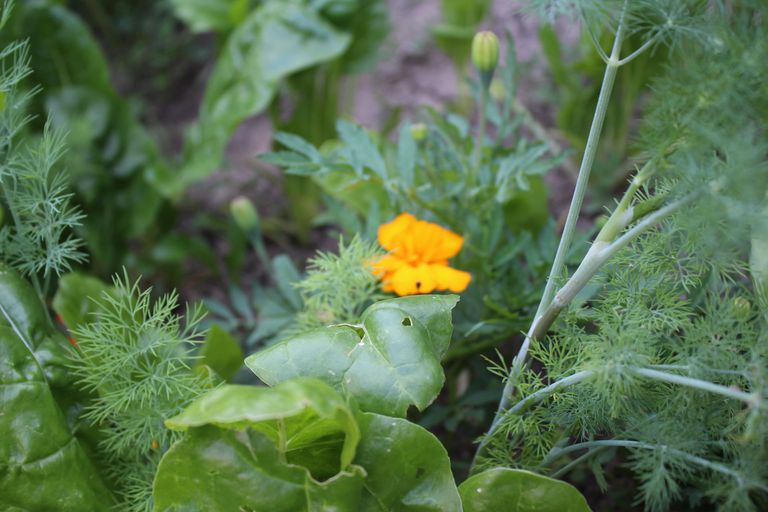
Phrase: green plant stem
pixel 569 229
pixel 598 254
pixel 624 443
pixel 751 399
pixel 477 158
pixel 257 242
pixel 578 460
pixel 282 442
pixel 587 162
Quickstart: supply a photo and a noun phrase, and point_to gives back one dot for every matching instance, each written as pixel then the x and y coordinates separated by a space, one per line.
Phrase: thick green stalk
pixel 569 229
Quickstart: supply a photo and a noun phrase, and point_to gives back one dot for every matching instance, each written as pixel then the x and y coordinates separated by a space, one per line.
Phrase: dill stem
pixel 752 399
pixel 590 151
pixel 625 443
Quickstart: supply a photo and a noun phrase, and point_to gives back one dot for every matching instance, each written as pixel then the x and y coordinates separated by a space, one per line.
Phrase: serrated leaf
pixel 388 363
pixel 521 491
pixel 362 152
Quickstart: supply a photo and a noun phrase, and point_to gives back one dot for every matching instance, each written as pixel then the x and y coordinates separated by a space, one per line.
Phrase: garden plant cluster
pixel 460 341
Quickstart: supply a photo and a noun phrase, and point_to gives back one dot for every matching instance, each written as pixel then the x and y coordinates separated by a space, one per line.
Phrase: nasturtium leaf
pixel 310 422
pixel 220 352
pixel 519 491
pixel 408 469
pixel 388 363
pixel 219 470
pixel 43 466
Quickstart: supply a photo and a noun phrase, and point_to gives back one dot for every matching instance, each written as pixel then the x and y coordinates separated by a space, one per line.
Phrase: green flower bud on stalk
pixel 419 131
pixel 742 306
pixel 485 55
pixel 244 213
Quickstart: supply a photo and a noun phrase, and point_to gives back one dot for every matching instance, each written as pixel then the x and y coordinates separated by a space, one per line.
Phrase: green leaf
pixel 360 149
pixel 393 446
pixel 388 363
pixel 286 276
pixel 221 352
pixel 521 491
pixel 216 470
pixel 218 15
pixel 251 448
pixel 77 296
pixel 309 422
pixel 406 155
pixel 274 41
pixel 44 467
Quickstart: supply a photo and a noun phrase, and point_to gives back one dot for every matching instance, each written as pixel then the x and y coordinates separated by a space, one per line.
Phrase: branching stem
pixel 624 443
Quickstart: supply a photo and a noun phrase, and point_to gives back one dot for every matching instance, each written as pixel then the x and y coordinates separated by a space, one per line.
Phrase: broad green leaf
pixel 42 465
pixel 76 298
pixel 221 352
pixel 309 422
pixel 218 15
pixel 408 469
pixel 388 363
pixel 519 491
pixel 274 41
pixel 286 448
pixel 217 470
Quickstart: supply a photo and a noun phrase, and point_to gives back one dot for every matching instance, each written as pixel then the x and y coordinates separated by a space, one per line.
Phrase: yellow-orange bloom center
pixel 418 257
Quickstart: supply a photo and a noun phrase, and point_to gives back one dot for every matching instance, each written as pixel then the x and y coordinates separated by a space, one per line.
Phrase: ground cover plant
pixel 454 343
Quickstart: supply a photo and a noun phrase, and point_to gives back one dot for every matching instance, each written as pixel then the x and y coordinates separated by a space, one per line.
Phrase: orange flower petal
pixel 447 278
pixel 387 264
pixel 393 234
pixel 410 280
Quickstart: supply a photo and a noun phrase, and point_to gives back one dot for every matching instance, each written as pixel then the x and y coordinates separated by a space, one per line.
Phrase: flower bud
pixel 419 131
pixel 742 306
pixel 485 55
pixel 244 213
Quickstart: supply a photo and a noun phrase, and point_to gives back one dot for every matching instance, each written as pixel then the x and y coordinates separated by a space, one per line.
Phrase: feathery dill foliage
pixel 134 356
pixel 338 287
pixel 666 365
pixel 36 237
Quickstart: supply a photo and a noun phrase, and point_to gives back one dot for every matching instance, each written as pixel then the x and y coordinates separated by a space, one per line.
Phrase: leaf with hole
pixel 388 362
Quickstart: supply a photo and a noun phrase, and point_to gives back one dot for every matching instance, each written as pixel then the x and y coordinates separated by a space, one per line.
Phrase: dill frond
pixel 338 287
pixel 38 238
pixel 135 357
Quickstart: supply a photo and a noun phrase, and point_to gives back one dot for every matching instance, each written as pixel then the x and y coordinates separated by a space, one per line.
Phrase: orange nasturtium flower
pixel 418 257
